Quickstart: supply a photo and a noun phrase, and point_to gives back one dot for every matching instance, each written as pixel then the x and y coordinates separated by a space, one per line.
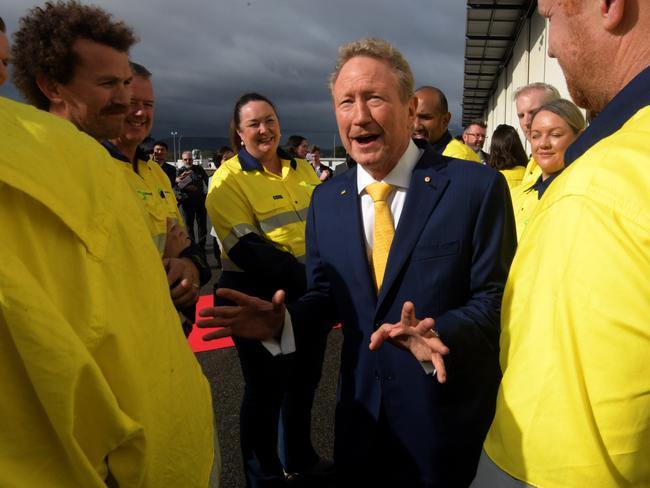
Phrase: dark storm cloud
pixel 205 54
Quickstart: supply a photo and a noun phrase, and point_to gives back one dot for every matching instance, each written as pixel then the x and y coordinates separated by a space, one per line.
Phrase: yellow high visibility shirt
pixel 532 173
pixel 458 150
pixel 154 192
pixel 524 202
pixel 573 409
pixel 98 381
pixel 513 177
pixel 245 198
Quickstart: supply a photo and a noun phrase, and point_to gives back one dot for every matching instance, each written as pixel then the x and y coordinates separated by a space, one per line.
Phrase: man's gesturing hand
pixel 250 318
pixel 415 336
pixel 183 276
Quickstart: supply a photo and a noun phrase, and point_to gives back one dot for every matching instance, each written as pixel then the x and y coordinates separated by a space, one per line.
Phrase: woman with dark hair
pixel 507 155
pixel 297 146
pixel 258 203
pixel 224 153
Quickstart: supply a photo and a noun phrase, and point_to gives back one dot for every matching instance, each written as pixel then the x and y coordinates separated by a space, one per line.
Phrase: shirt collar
pixel 140 154
pixel 442 143
pixel 249 163
pixel 400 175
pixel 541 185
pixel 619 110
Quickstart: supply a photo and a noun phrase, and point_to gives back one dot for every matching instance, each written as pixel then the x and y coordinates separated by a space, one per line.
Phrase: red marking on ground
pixel 196 337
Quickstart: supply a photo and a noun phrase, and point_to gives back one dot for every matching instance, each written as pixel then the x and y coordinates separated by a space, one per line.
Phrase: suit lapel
pixel 426 188
pixel 351 234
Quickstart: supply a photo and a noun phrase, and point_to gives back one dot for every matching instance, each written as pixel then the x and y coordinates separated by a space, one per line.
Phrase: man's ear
pixel 612 13
pixel 412 106
pixel 50 88
pixel 446 119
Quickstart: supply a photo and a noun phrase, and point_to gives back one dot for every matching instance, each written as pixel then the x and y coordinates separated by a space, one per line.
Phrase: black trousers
pixel 195 211
pixel 275 410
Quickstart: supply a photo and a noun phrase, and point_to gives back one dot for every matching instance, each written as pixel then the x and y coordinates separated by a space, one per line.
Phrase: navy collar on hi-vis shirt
pixel 249 163
pixel 140 154
pixel 442 143
pixel 619 110
pixel 541 185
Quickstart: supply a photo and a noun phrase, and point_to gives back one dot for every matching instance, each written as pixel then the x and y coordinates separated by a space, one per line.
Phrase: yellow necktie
pixel 384 230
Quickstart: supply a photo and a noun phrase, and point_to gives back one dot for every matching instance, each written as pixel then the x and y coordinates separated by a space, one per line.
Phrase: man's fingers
pixel 183 288
pixel 235 296
pixel 380 336
pixel 185 293
pixel 439 346
pixel 424 326
pixel 214 322
pixel 408 314
pixel 223 311
pixel 278 300
pixel 218 334
pixel 208 323
pixel 439 364
pixel 173 272
pixel 399 330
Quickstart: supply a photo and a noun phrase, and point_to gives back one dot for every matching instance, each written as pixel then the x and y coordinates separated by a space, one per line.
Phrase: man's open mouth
pixel 366 139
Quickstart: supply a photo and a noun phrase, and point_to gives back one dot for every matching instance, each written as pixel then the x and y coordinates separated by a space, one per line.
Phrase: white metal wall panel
pixel 553 74
pixel 510 72
pixel 520 61
pixel 529 63
pixel 498 108
pixel 491 118
pixel 537 63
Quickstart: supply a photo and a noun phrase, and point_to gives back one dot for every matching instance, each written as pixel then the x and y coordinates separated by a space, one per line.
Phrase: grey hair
pixel 381 50
pixel 550 92
pixel 480 122
pixel 566 110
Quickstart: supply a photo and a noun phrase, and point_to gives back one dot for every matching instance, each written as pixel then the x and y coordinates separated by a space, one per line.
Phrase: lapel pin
pixel 343 192
pixel 427 179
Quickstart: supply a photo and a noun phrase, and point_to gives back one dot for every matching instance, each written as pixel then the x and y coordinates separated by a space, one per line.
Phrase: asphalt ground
pixel 221 367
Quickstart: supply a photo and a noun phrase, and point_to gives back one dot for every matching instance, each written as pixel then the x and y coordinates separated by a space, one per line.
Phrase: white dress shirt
pixel 400 178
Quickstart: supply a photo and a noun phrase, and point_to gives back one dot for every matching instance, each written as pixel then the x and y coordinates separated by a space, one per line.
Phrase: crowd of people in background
pixel 494 302
pixel 524 173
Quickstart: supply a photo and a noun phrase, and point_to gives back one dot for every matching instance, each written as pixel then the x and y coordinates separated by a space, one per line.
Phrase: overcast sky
pixel 204 54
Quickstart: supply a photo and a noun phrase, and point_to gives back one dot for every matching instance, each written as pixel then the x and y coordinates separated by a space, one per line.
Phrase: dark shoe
pixel 318 474
pixel 322 467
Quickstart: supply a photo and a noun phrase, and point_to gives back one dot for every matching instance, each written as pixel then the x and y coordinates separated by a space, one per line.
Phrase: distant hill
pixel 204 143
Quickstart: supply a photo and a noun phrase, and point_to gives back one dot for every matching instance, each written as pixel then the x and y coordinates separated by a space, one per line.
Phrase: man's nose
pixel 361 113
pixel 122 94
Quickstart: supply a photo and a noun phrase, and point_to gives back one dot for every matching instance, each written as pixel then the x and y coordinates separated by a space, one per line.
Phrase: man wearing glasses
pixel 474 137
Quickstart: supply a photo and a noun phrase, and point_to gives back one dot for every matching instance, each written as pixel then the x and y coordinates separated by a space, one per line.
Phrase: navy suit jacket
pixel 450 256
